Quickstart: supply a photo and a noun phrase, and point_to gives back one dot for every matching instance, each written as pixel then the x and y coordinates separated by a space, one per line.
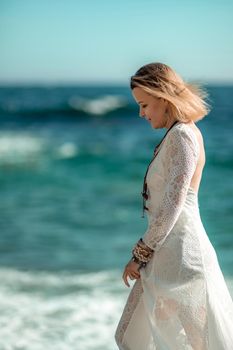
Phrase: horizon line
pixel 98 83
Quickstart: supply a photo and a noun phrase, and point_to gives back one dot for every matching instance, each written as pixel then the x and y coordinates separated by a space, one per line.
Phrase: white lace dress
pixel 181 300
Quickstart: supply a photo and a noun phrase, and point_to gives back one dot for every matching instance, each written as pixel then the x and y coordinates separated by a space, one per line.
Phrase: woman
pixel 180 299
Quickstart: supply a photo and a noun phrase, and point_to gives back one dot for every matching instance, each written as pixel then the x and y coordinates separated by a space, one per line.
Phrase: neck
pixel 168 126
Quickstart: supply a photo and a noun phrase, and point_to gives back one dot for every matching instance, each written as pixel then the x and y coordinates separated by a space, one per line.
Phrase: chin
pixel 154 126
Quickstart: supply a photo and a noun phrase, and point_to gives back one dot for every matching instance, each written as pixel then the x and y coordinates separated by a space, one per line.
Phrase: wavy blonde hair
pixel 186 101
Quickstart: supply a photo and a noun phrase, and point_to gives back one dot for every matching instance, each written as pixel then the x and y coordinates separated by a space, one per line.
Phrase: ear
pixel 165 103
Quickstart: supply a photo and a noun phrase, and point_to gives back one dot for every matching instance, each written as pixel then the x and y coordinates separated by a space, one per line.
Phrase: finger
pixel 125 279
pixel 134 274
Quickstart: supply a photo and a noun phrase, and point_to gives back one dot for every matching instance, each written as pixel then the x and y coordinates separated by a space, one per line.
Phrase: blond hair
pixel 186 101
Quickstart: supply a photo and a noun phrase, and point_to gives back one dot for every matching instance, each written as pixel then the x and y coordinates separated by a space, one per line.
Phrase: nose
pixel 141 113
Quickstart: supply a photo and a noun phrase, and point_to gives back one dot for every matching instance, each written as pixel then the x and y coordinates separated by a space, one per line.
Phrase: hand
pixel 131 271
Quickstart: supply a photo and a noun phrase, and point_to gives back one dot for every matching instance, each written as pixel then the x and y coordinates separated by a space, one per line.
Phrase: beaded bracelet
pixel 141 253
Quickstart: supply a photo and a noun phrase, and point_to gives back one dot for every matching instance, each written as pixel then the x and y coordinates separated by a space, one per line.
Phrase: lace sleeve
pixel 180 160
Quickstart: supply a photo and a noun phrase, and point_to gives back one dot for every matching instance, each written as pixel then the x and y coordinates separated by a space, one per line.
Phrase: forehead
pixel 139 94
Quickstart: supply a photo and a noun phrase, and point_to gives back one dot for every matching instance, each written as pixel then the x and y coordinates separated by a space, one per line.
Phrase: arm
pixel 181 155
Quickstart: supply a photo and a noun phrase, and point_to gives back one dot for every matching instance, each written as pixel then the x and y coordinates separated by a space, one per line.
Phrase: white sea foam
pixel 59 311
pixel 98 106
pixel 18 148
pixel 67 150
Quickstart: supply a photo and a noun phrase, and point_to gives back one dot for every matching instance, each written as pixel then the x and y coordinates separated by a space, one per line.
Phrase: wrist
pixel 139 262
pixel 142 252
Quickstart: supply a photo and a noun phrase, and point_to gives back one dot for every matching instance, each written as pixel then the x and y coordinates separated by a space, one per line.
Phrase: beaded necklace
pixel 144 191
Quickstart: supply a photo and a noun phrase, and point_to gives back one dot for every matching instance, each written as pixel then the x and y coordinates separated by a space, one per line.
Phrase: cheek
pixel 158 111
pixel 151 111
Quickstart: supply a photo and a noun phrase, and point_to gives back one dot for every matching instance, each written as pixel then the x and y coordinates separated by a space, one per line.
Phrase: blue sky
pixel 105 41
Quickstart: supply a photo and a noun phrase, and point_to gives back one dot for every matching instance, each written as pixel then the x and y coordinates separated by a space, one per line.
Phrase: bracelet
pixel 142 252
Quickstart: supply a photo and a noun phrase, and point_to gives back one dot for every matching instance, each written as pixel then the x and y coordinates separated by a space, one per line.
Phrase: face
pixel 151 108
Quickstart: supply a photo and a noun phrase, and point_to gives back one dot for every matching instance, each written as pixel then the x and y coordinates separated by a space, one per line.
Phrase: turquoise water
pixel 72 162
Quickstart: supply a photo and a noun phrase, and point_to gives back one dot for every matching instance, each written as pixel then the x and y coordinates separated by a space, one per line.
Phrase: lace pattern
pixel 181 155
pixel 131 304
pixel 182 289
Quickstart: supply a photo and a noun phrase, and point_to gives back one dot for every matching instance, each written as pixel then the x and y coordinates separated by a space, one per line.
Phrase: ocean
pixel 72 162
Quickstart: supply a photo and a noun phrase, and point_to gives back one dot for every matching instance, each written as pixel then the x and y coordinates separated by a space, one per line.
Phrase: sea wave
pixel 60 311
pixel 18 148
pixel 105 104
pixel 98 106
pixel 83 101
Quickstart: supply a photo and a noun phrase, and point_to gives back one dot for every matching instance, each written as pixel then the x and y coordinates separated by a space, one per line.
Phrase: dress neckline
pixel 157 147
pixel 156 151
